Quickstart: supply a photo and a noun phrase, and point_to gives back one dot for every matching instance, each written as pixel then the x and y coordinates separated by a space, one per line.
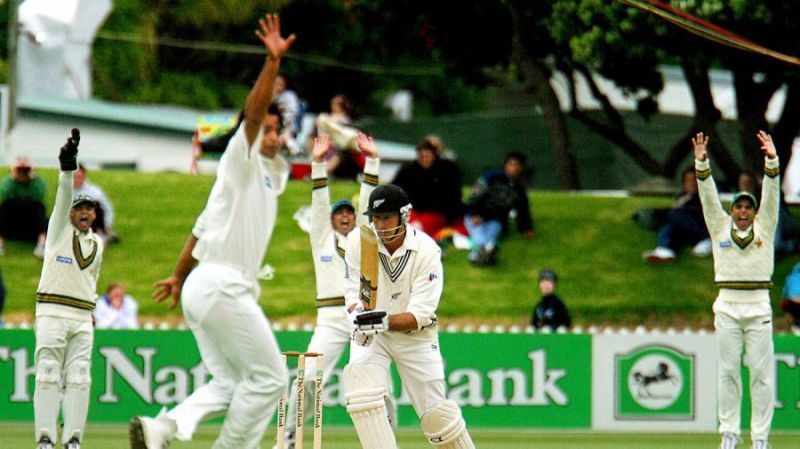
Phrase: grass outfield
pixel 20 436
pixel 591 242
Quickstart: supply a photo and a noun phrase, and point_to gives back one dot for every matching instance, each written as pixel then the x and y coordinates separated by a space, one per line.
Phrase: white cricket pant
pixel 63 357
pixel 418 361
pixel 748 325
pixel 240 352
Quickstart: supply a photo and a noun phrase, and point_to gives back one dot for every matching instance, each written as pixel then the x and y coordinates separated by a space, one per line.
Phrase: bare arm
pixel 172 285
pixel 371 170
pixel 320 194
pixel 260 97
pixel 403 322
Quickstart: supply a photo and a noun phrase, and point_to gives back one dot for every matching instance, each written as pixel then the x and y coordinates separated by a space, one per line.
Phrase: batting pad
pixel 445 428
pixel 366 405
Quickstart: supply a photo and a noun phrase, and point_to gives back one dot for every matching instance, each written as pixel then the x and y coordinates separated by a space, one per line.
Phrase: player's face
pixel 388 227
pixel 270 140
pixel 743 214
pixel 343 220
pixel 82 216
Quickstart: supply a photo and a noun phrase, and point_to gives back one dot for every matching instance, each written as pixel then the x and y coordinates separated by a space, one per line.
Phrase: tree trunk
pixel 788 126
pixel 752 99
pixel 536 77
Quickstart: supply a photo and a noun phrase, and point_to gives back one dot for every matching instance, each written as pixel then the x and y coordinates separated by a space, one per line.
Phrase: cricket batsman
pixel 402 329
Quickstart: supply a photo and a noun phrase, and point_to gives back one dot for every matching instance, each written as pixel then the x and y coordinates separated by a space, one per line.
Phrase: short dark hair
pixel 519 157
pixel 275 110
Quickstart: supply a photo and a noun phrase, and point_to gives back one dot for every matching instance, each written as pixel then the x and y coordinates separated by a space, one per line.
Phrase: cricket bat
pixel 369 267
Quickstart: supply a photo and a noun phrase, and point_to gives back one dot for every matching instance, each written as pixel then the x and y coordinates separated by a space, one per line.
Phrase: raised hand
pixel 700 143
pixel 270 35
pixel 767 146
pixel 367 146
pixel 166 288
pixel 67 155
pixel 322 144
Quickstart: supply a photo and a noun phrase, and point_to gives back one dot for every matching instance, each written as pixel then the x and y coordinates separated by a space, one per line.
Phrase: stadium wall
pixel 609 381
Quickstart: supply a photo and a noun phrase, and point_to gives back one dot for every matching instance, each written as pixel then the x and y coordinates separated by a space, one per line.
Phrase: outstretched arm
pixel 770 188
pixel 371 169
pixel 713 213
pixel 68 163
pixel 320 194
pixel 260 96
pixel 172 285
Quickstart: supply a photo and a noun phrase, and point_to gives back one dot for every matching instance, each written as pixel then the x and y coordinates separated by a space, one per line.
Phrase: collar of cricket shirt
pixel 742 238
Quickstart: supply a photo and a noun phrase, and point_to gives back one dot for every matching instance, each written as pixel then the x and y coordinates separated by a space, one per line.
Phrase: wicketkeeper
pixel 402 329
pixel 64 303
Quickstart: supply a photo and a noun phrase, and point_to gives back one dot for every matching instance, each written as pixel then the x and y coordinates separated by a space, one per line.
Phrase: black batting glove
pixel 67 156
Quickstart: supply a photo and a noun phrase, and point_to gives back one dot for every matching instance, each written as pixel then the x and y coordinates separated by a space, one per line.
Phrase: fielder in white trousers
pixel 744 257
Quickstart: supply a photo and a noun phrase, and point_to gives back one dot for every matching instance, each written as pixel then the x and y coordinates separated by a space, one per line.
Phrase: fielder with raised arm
pixel 743 262
pixel 65 300
pixel 403 329
pixel 220 295
pixel 330 226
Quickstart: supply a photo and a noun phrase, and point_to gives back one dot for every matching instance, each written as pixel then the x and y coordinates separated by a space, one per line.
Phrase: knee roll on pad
pixel 79 374
pixel 445 428
pixel 365 392
pixel 48 372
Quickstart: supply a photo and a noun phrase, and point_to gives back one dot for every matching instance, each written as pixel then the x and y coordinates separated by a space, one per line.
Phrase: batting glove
pixel 67 156
pixel 372 322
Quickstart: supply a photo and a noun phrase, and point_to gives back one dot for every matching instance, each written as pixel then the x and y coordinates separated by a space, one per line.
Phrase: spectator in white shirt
pixel 116 309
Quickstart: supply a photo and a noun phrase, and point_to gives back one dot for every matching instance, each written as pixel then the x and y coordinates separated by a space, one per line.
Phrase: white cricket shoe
pixel 659 255
pixel 73 443
pixel 702 249
pixel 729 441
pixel 152 433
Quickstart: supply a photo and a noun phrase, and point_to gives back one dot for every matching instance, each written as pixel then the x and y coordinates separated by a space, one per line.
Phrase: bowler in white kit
pixel 220 294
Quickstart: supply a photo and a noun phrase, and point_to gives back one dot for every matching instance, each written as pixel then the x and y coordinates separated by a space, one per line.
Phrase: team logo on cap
pixel 378 202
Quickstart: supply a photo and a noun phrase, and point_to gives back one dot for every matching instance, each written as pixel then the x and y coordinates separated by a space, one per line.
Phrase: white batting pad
pixel 365 392
pixel 445 427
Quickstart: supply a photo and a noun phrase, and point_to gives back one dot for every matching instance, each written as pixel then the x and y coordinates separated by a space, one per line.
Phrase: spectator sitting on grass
pixel 551 311
pixel 116 309
pixel 105 212
pixel 685 226
pixel 22 211
pixel 497 196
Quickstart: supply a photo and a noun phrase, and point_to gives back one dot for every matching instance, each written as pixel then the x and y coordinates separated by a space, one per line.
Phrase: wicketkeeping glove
pixel 67 156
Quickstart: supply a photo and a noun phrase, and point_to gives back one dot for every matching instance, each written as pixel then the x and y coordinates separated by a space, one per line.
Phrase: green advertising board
pixel 500 380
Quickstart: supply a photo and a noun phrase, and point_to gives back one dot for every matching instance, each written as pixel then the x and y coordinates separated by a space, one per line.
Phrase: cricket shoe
pixel 73 443
pixel 760 444
pixel 729 441
pixel 152 433
pixel 45 443
pixel 660 255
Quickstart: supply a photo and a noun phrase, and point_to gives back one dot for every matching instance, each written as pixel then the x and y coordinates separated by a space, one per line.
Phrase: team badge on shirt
pixel 267 182
pixel 432 277
pixel 725 244
pixel 63 259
